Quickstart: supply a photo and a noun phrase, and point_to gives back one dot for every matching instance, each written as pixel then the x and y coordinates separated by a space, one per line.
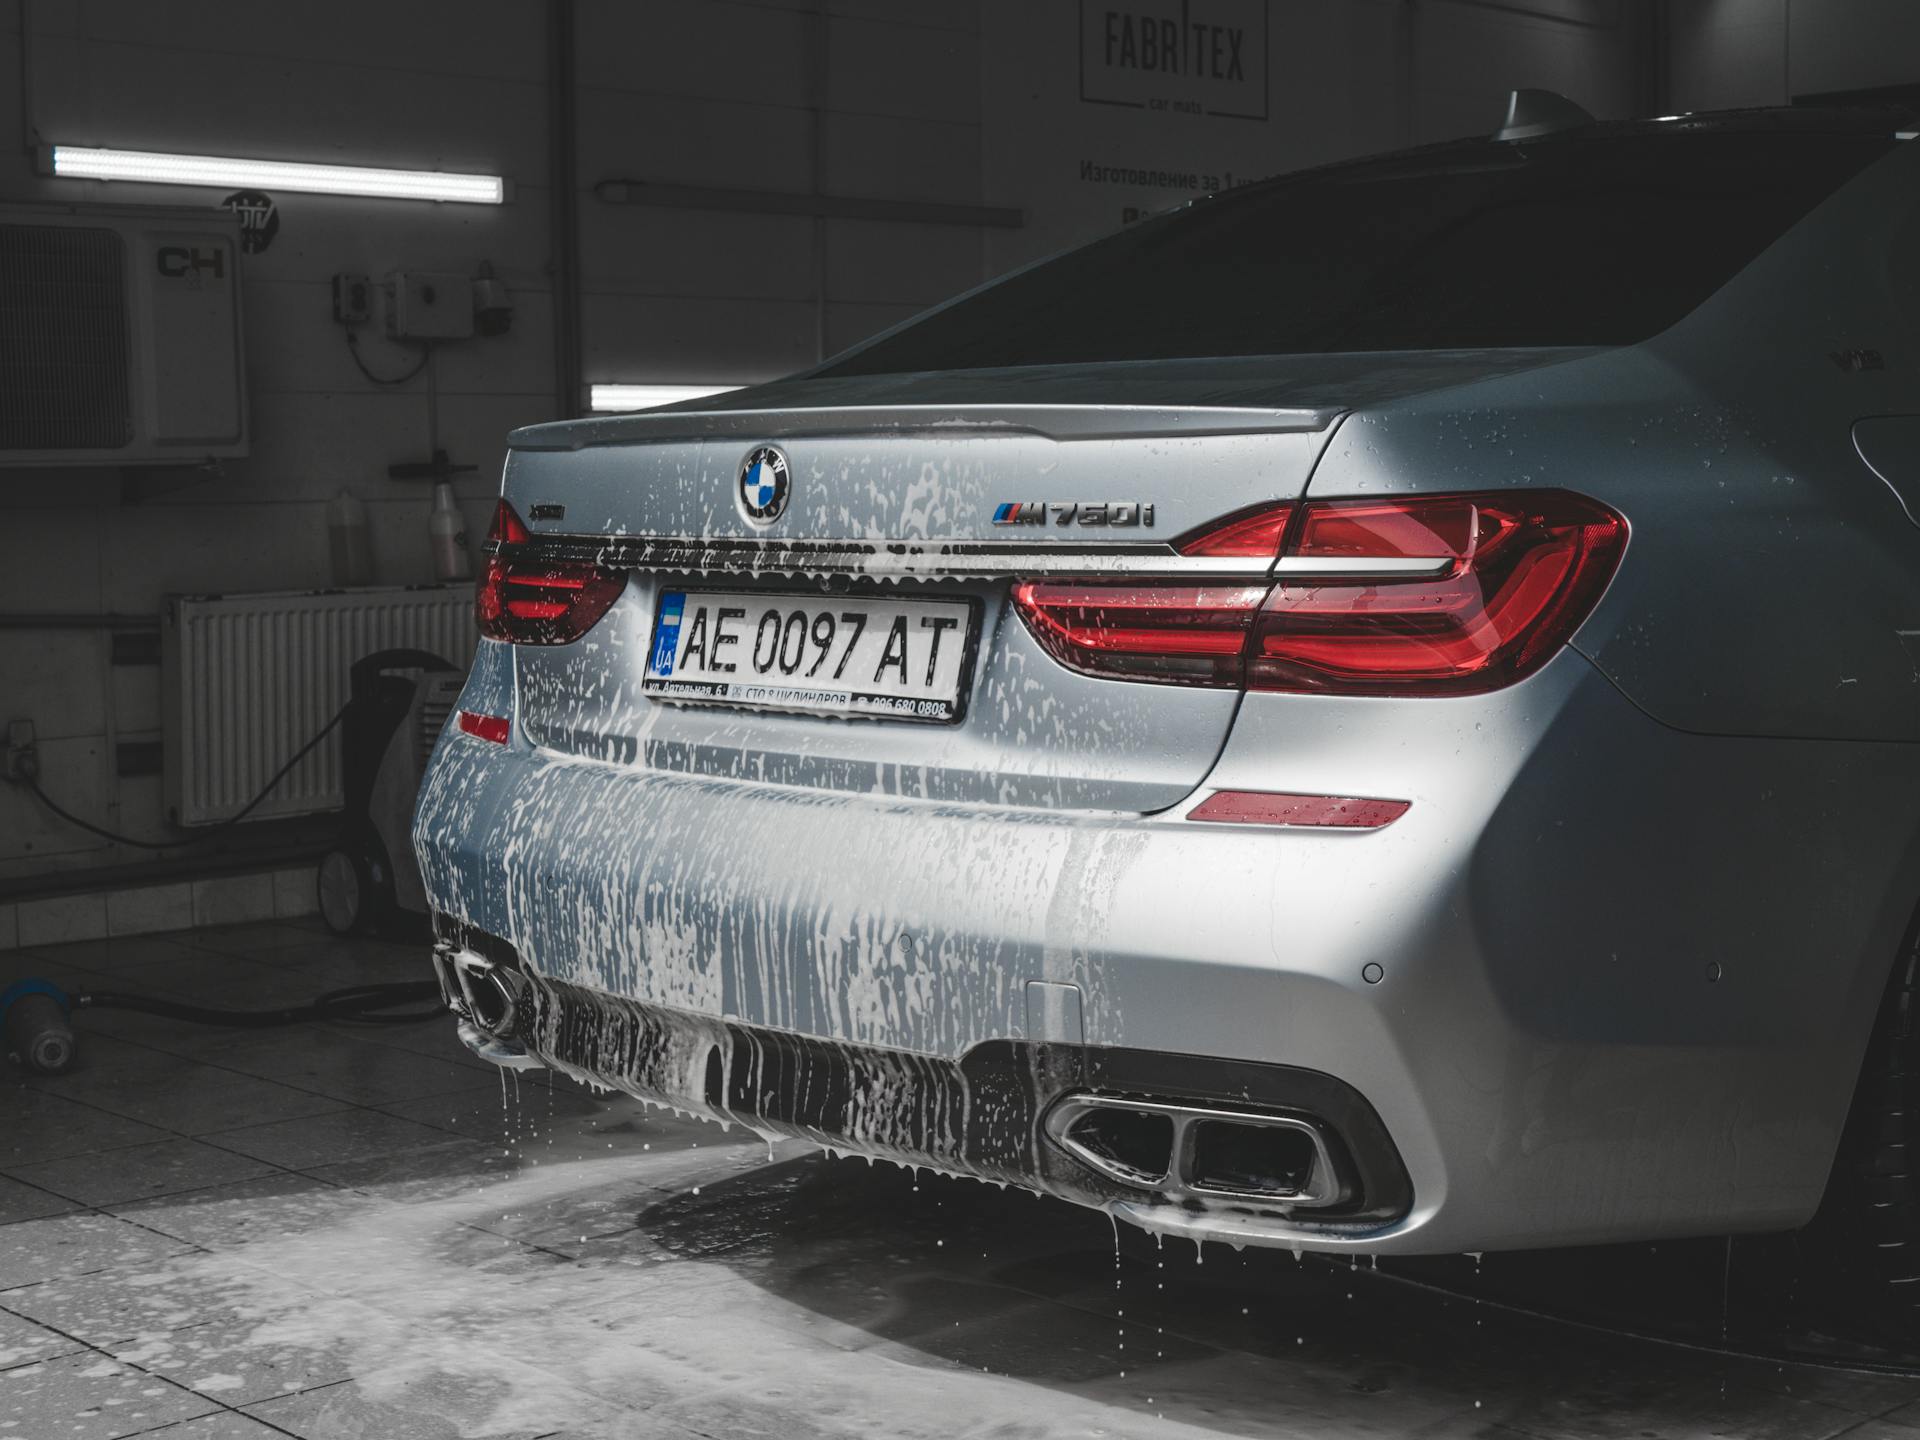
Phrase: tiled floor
pixel 333 1232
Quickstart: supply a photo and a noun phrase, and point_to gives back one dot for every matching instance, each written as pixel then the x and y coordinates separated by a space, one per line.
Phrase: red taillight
pixel 507 527
pixel 1523 570
pixel 1429 595
pixel 486 727
pixel 534 602
pixel 1249 534
pixel 1176 634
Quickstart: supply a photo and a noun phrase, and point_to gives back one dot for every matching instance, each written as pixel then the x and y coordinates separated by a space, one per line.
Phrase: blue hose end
pixel 33 1022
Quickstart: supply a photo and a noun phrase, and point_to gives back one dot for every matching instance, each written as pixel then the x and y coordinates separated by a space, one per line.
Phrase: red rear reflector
pixel 1336 812
pixel 530 602
pixel 486 727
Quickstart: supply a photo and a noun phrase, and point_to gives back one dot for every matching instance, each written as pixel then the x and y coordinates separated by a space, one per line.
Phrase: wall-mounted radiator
pixel 248 679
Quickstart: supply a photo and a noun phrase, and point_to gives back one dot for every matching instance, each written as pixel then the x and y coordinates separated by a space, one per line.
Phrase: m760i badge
pixel 1074 512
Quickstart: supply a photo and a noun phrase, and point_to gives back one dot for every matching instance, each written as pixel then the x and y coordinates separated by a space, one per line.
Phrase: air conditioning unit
pixel 120 339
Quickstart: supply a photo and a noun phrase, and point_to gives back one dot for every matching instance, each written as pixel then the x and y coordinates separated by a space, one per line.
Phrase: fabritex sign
pixel 1196 57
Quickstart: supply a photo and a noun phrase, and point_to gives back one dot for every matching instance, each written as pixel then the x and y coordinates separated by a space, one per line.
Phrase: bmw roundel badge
pixel 764 485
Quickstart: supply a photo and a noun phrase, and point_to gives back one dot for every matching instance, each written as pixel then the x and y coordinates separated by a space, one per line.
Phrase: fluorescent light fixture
pixel 645 397
pixel 82 163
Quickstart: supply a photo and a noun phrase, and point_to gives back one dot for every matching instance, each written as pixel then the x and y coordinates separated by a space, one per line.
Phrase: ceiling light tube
pixel 607 398
pixel 84 163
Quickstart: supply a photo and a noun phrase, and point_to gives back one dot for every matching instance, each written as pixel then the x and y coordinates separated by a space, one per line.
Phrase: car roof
pixel 1894 119
pixel 1867 118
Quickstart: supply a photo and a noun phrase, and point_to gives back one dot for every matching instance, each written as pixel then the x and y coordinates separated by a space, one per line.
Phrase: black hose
pixel 33 784
pixel 353 349
pixel 357 1004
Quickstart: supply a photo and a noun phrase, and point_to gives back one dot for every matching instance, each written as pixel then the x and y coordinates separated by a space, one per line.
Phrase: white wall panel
pixel 1727 53
pixel 910 264
pixel 1853 44
pixel 76 772
pixel 53 557
pixel 668 338
pixel 898 158
pixel 961 15
pixel 519 363
pixel 1764 52
pixel 1335 85
pixel 879 67
pixel 65 675
pixel 717 51
pixel 443 37
pixel 650 250
pixel 188 548
pixel 678 140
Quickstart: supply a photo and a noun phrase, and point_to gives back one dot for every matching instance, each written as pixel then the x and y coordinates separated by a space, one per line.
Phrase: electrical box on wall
pixel 427 305
pixel 352 299
pixel 120 336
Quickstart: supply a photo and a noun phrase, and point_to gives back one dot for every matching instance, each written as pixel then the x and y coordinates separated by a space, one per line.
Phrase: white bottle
pixel 447 533
pixel 349 542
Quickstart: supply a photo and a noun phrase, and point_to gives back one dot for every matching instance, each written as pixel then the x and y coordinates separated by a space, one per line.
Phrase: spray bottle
pixel 349 543
pixel 447 534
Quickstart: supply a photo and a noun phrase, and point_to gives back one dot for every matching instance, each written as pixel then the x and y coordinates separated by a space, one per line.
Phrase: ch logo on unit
pixel 765 484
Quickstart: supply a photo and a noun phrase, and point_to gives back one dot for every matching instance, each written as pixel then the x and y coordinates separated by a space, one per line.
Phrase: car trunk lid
pixel 926 499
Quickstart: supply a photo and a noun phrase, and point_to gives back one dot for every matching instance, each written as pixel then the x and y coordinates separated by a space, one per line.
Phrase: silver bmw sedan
pixel 1376 711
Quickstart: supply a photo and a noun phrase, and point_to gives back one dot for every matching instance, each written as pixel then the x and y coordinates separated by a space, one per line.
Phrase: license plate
pixel 824 654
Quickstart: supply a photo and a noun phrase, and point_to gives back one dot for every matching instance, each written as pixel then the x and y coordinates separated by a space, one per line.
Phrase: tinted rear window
pixel 1572 241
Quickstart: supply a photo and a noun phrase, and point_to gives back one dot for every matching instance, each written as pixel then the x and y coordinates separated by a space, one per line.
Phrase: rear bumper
pixel 983 1114
pixel 1543 1054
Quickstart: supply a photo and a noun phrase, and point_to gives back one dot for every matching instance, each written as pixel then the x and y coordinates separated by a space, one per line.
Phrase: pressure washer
pixel 368 879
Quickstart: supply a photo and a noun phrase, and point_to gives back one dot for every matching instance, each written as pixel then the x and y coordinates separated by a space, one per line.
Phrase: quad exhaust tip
pixel 1200 1151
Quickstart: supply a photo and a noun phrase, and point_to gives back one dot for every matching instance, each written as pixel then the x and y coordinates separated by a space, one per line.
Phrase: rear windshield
pixel 1571 241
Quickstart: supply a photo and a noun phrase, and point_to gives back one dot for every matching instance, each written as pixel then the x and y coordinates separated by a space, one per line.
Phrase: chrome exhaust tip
pixel 489 1001
pixel 490 994
pixel 1202 1152
pixel 506 1053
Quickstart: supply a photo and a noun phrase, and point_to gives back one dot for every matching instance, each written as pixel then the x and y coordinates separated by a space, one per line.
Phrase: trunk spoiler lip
pixel 1053 422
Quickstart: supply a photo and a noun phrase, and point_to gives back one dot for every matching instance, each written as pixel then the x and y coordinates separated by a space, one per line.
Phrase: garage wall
pixel 972 102
pixel 875 99
pixel 1764 52
pixel 407 84
pixel 1334 78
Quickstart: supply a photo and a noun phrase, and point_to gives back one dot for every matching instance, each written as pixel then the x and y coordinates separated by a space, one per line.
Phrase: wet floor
pixel 346 1233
